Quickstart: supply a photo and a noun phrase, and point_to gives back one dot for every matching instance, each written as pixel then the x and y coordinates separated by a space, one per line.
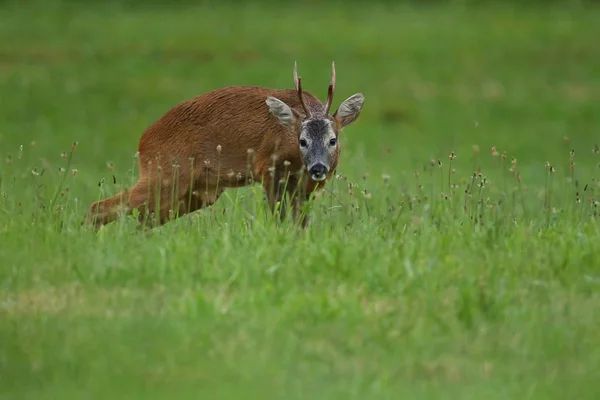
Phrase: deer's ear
pixel 281 111
pixel 349 110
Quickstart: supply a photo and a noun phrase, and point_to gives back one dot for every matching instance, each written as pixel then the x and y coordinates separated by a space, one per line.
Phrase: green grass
pixel 403 286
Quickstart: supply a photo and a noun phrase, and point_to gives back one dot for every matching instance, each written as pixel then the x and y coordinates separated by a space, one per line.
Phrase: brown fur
pixel 180 161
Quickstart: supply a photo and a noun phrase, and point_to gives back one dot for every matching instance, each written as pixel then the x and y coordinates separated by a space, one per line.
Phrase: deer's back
pixel 234 119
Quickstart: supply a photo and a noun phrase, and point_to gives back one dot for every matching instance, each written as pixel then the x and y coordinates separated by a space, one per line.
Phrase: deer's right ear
pixel 282 111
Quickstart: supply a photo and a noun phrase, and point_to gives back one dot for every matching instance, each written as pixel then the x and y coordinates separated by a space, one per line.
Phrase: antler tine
pixel 298 84
pixel 331 89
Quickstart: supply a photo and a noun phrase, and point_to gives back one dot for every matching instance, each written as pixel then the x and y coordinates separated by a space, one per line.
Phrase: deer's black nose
pixel 318 171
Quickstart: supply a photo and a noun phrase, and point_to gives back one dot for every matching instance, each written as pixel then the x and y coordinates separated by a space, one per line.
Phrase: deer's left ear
pixel 349 110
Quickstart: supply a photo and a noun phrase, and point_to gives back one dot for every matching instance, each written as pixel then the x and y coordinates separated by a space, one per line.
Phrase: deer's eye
pixel 303 143
pixel 333 142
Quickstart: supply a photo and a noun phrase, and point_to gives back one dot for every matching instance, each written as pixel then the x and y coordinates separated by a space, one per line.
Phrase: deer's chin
pixel 318 178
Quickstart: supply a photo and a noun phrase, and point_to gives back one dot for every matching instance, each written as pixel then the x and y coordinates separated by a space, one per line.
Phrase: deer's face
pixel 317 134
pixel 318 145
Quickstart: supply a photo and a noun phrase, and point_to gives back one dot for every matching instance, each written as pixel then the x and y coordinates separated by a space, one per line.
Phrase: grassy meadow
pixel 456 255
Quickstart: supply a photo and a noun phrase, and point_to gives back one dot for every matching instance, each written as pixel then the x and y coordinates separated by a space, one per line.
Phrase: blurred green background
pixel 437 76
pixel 363 310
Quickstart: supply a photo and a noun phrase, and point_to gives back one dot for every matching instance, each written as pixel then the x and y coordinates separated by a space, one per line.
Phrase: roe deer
pixel 231 137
